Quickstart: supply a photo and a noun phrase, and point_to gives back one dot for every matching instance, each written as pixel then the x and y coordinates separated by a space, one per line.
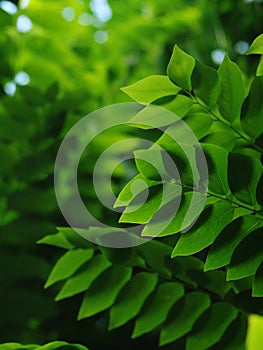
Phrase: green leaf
pixel 133 188
pixel 214 281
pixel 104 290
pixel 132 298
pixel 233 90
pixel 150 164
pixel 50 346
pixel 151 88
pixel 217 161
pixel 257 288
pixel 252 110
pixel 75 238
pixel 180 105
pixel 247 257
pixel 152 117
pixel 150 250
pixel 180 68
pixel 257 46
pixel 81 281
pixel 211 222
pixel 221 251
pixel 189 209
pixel 56 240
pixel 183 153
pixel 157 307
pixel 211 326
pixel 140 211
pixel 221 136
pixel 68 264
pixel 183 316
pixel 254 333
pixel 199 123
pixel 53 345
pixel 235 335
pixel 244 173
pixel 259 72
pixel 182 265
pixel 61 345
pixel 206 85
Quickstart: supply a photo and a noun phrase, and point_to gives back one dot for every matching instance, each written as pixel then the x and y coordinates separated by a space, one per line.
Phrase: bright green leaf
pixel 81 281
pixel 180 68
pixel 257 46
pixel 151 88
pixel 68 264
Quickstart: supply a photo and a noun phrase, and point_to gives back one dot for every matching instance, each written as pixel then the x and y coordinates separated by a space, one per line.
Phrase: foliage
pixel 69 77
pixel 50 346
pixel 191 303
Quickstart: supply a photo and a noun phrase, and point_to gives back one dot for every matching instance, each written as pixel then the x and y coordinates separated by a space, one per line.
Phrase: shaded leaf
pixel 232 90
pixel 211 222
pixel 132 298
pixel 157 307
pixel 183 316
pixel 206 84
pixel 221 251
pixel 247 257
pixel 244 173
pixel 104 290
pixel 210 327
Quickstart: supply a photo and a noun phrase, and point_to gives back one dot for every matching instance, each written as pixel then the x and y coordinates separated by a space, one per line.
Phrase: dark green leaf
pixel 210 224
pixel 211 326
pixel 232 90
pixel 257 290
pixel 183 316
pixel 157 307
pixel 132 298
pixel 104 290
pixel 252 110
pixel 217 161
pixel 244 173
pixel 206 84
pixel 247 257
pixel 220 253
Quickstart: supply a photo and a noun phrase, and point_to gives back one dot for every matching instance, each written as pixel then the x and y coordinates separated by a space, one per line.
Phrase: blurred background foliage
pixel 61 60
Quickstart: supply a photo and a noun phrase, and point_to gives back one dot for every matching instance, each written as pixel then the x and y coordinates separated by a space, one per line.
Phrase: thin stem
pixel 258 213
pixel 225 122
